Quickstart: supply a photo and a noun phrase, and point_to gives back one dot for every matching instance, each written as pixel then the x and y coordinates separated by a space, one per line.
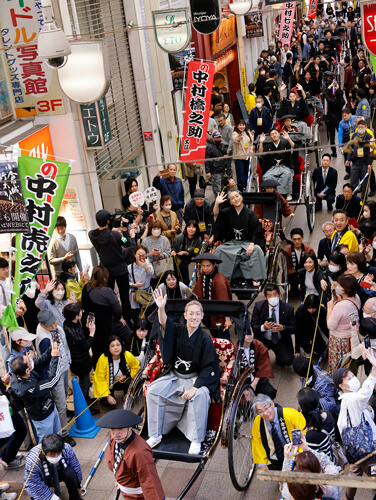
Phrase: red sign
pixel 312 9
pixel 148 136
pixel 197 108
pixel 369 26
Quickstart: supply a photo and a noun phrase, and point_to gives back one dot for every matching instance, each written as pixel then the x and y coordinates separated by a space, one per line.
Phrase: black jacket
pixel 282 152
pixel 215 151
pixel 199 214
pixel 334 113
pixel 305 330
pixel 35 392
pixel 353 155
pixel 352 207
pixel 79 348
pixel 299 110
pixel 324 249
pixel 330 182
pixel 109 245
pixel 286 318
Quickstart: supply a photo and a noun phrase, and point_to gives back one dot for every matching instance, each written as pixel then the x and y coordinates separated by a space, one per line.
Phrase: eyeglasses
pixel 265 409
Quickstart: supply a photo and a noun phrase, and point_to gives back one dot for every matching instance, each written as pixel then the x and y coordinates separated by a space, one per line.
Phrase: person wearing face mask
pixel 21 343
pixel 47 327
pixel 360 158
pixel 74 283
pixel 54 298
pixel 273 323
pixel 47 465
pixel 354 406
pixel 168 218
pixel 157 246
pixel 336 267
pixel 260 118
pixel 344 302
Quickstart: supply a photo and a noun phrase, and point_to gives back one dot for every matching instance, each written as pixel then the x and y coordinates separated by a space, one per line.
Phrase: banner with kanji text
pixel 197 107
pixel 312 11
pixel 287 20
pixel 43 185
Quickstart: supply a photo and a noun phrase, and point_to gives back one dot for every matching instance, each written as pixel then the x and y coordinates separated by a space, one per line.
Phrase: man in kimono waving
pixel 180 397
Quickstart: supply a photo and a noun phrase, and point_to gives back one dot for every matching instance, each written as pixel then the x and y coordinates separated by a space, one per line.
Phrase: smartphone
pixel 334 295
pixel 296 436
pixel 91 317
pixel 372 470
pixel 352 319
pixel 72 295
pixel 365 284
pixel 55 336
pixel 270 320
pixel 367 342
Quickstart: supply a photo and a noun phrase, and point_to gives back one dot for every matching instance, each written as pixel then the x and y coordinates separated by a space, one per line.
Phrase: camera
pixel 116 218
pixel 53 45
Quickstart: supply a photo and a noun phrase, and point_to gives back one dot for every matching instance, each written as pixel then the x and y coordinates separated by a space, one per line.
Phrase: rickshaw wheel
pixel 134 400
pixel 240 459
pixel 310 202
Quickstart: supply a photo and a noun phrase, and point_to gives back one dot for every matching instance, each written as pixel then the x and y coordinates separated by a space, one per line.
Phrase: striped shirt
pixel 320 441
pixel 36 486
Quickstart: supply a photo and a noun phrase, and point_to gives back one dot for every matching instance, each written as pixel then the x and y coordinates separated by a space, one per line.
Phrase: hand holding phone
pixel 352 319
pixel 367 342
pixel 296 437
pixel 365 284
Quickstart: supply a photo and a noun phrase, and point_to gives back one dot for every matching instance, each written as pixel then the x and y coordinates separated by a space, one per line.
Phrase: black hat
pixel 284 117
pixel 269 183
pixel 102 216
pixel 118 419
pixel 337 376
pixel 199 194
pixel 207 256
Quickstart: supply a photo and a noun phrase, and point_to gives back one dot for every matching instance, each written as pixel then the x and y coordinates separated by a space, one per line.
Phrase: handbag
pixel 357 441
pixel 159 266
pixel 140 296
pixel 337 451
pixel 6 424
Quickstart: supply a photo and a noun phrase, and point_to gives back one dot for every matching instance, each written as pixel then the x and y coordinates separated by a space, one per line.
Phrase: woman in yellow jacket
pixel 116 364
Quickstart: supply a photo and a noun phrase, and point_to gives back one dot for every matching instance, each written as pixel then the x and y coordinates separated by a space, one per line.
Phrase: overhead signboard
pixel 206 15
pixel 172 29
pixel 369 26
pixel 95 124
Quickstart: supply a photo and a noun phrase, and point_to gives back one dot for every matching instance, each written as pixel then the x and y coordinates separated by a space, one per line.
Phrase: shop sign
pixel 197 108
pixel 224 37
pixel 38 144
pixel 272 2
pixel 242 105
pixel 287 20
pixel 206 15
pixel 13 214
pixel 253 25
pixel 148 136
pixel 33 84
pixel 312 9
pixel 240 7
pixel 43 185
pixel 178 63
pixel 95 124
pixel 172 29
pixel 70 208
pixel 369 26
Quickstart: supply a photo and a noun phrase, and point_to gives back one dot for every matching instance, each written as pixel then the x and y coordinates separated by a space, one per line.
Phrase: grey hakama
pixel 283 175
pixel 166 408
pixel 236 263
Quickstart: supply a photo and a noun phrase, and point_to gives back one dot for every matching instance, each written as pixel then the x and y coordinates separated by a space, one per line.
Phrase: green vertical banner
pixel 43 185
pixel 373 61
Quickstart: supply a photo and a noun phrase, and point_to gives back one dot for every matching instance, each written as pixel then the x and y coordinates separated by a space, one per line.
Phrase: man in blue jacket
pixel 260 118
pixel 172 186
pixel 346 128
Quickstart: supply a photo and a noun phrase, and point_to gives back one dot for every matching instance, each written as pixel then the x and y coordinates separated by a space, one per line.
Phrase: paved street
pixel 214 482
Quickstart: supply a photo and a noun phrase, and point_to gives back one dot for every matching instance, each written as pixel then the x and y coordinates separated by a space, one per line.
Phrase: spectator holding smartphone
pixel 63 246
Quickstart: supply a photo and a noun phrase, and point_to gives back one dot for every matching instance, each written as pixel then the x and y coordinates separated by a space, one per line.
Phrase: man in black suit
pixel 325 180
pixel 273 323
pixel 349 202
pixel 325 245
pixel 268 99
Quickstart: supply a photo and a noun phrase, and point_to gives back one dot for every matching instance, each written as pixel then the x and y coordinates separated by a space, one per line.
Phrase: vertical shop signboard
pixel 34 85
pixel 197 108
pixel 13 214
pixel 95 124
pixel 43 185
pixel 172 29
pixel 287 20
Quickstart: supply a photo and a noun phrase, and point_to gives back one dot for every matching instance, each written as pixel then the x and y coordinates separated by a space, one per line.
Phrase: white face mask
pixel 54 460
pixel 354 384
pixel 30 292
pixel 31 365
pixel 262 72
pixel 273 301
pixel 374 245
pixel 367 215
pixel 333 269
pixel 365 315
pixel 58 294
pixel 156 232
pixel 167 208
pixel 258 105
pixel 361 131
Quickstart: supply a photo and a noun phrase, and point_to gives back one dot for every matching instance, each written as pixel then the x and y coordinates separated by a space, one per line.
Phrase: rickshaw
pixel 230 419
